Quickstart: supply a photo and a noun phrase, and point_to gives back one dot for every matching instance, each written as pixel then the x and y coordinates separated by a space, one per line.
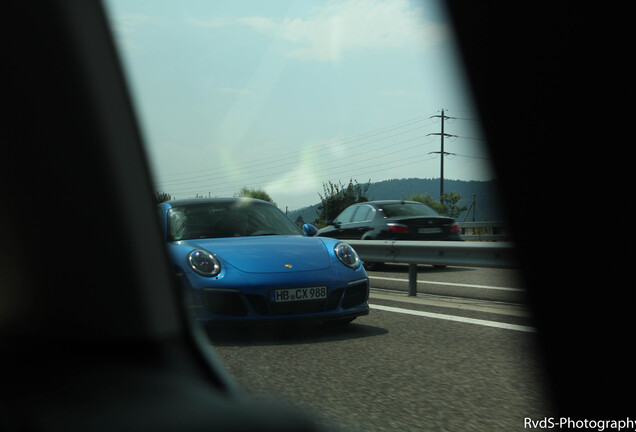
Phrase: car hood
pixel 268 254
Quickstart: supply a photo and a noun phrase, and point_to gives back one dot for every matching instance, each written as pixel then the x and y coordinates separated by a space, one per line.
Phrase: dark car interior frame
pixel 93 335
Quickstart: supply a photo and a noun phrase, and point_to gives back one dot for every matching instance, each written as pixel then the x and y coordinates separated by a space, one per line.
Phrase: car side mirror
pixel 309 230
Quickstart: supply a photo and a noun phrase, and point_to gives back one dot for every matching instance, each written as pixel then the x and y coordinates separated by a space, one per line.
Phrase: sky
pixel 286 95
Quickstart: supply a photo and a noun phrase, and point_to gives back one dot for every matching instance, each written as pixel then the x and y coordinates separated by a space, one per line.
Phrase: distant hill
pixel 488 208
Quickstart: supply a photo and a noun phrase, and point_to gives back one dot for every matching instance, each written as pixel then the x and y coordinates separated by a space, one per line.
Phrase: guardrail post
pixel 412 280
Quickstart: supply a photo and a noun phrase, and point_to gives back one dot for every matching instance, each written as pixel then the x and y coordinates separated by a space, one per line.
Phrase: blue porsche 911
pixel 241 259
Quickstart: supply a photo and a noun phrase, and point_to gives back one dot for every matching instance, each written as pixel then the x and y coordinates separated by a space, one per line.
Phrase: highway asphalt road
pixel 436 361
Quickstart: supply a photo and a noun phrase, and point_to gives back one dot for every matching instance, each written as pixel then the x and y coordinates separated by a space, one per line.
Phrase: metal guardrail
pixel 442 253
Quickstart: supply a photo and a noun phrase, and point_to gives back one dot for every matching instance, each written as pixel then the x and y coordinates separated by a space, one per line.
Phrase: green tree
pixel 162 197
pixel 447 206
pixel 255 193
pixel 300 221
pixel 450 207
pixel 338 197
pixel 426 199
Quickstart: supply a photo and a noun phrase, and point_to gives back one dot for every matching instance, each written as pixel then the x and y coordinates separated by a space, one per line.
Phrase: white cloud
pixel 337 27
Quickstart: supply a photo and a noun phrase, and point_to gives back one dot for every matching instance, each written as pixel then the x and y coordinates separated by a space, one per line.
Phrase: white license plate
pixel 429 230
pixel 300 294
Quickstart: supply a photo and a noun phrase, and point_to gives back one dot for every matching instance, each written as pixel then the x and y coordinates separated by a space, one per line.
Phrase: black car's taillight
pixel 398 228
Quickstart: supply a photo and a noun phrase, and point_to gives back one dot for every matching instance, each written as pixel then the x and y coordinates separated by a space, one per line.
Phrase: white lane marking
pixel 455 318
pixel 488 306
pixel 450 284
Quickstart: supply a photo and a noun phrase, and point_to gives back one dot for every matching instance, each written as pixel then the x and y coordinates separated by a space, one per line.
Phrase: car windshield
pixel 407 210
pixel 227 219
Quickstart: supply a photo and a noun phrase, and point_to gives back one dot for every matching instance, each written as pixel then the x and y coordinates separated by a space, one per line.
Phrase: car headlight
pixel 204 263
pixel 347 255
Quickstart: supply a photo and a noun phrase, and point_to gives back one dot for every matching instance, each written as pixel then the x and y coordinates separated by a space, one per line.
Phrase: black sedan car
pixel 391 220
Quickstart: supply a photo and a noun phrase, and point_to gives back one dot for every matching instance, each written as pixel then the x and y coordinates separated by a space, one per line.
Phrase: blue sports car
pixel 241 259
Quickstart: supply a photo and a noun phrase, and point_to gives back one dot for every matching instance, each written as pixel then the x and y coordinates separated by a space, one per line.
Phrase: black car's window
pixel 227 219
pixel 346 215
pixel 363 214
pixel 407 209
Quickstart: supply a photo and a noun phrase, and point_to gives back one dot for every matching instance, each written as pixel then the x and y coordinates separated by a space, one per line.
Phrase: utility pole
pixel 442 153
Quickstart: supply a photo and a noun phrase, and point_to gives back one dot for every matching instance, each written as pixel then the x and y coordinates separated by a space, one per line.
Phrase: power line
pixel 331 171
pixel 344 175
pixel 365 145
pixel 260 166
pixel 470 138
pixel 472 157
pixel 317 147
